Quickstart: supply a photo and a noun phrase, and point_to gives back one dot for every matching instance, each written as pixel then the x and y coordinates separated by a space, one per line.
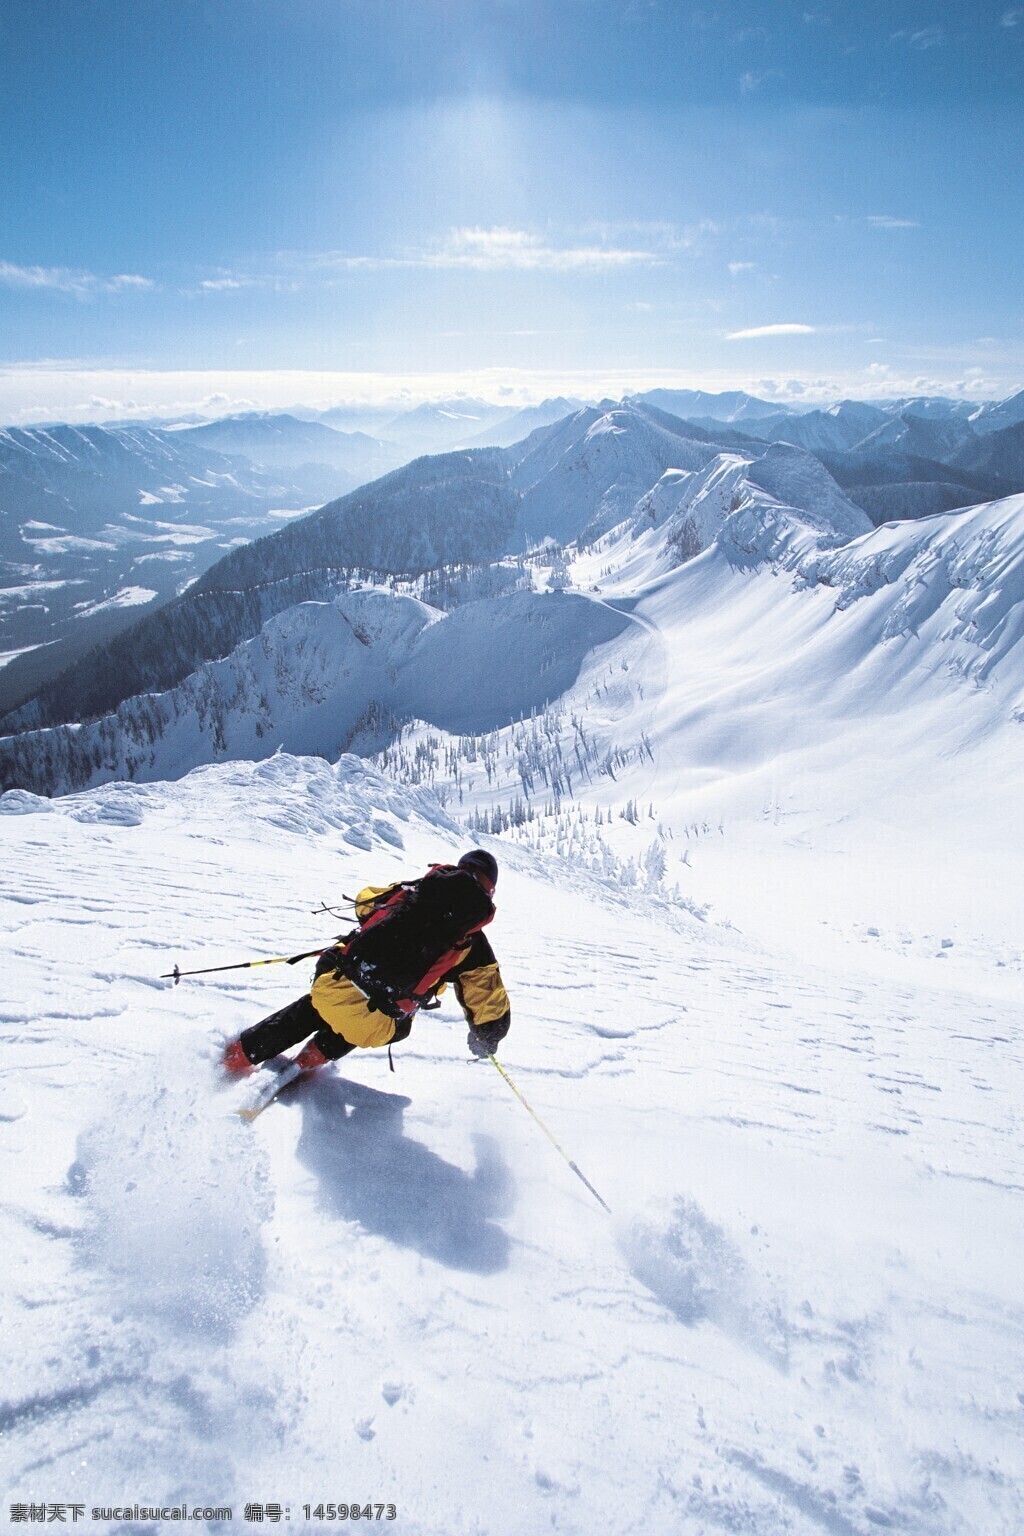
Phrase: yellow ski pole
pixel 561 1150
pixel 243 965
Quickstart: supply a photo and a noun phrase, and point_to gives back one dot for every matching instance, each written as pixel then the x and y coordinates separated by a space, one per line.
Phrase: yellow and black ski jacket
pixel 471 969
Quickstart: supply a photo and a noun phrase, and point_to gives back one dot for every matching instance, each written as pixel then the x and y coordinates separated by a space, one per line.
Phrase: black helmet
pixel 482 864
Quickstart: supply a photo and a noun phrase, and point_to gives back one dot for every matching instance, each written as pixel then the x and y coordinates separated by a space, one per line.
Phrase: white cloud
pixel 465 248
pixel 736 267
pixel 757 331
pixel 486 249
pixel 753 79
pixel 658 236
pixel 75 390
pixel 886 221
pixel 109 407
pixel 926 37
pixel 69 280
pixel 596 247
pixel 1011 18
pixel 501 250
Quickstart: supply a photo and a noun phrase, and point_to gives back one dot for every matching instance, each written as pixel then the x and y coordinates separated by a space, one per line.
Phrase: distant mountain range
pixel 102 525
pixel 282 441
pixel 834 430
pixel 575 478
pixel 693 404
pixel 282 640
pixel 98 524
pixel 328 635
pixel 437 425
pixel 512 429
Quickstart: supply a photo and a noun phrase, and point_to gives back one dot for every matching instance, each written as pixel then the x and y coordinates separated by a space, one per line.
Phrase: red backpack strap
pixel 384 906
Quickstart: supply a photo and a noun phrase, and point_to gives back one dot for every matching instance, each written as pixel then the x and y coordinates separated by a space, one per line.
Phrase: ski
pixel 266 1093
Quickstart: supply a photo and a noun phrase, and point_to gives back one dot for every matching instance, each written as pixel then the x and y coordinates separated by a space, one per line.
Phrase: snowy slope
pixel 803 1315
pixel 956 584
pixel 758 917
pixel 768 507
pixel 786 717
pixel 321 672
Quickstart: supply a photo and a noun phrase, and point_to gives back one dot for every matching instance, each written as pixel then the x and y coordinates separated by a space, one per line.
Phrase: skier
pixel 413 939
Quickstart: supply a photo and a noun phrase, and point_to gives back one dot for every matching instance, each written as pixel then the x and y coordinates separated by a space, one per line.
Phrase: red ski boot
pixel 310 1056
pixel 235 1061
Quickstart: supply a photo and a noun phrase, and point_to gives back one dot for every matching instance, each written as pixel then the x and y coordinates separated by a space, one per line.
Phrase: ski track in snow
pixel 804 1315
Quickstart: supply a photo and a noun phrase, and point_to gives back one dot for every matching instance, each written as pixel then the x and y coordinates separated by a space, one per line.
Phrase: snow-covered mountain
pixel 83 481
pixel 934 407
pixel 584 474
pixel 512 429
pixel 768 508
pixel 996 414
pixel 438 425
pixel 836 429
pixel 472 506
pixel 890 484
pixel 322 676
pixel 282 441
pixel 235 669
pixel 354 665
pixel 437 510
pixel 106 524
pixel 98 524
pixel 999 453
pixel 692 404
pixel 941 439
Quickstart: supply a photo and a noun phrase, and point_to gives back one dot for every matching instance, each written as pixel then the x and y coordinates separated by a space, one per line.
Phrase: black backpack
pixel 394 956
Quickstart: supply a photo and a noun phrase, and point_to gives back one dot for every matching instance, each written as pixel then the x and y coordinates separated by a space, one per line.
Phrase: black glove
pixel 484 1039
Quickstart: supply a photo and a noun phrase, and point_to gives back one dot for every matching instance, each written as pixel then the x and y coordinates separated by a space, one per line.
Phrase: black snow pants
pixel 285 1028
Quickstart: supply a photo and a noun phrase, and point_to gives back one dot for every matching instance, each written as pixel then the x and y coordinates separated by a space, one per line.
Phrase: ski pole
pixel 548 1134
pixel 242 965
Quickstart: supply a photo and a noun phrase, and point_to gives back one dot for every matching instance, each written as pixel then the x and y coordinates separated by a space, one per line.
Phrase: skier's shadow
pixel 354 1142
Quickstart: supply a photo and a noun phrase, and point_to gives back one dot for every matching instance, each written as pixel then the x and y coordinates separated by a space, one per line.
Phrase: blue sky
pixel 255 201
